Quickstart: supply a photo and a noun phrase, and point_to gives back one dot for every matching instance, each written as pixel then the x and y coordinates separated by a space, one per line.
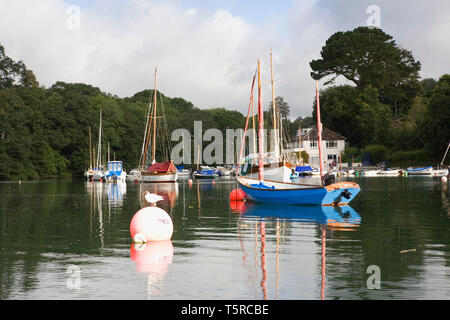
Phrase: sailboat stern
pixel 341 193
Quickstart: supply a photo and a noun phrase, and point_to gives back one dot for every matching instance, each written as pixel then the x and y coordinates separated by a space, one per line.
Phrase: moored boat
pixel 156 171
pixel 115 172
pixel 389 172
pixel 134 175
pixel 160 172
pixel 340 193
pixel 205 172
pixel 268 191
pixel 439 172
pixel 182 172
pixel 419 171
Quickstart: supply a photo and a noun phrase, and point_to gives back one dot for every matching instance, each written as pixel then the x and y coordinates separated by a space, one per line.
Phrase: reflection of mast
pixel 322 287
pixel 277 256
pixel 262 229
pixel 90 148
pixel 256 247
pixel 198 198
pixel 100 211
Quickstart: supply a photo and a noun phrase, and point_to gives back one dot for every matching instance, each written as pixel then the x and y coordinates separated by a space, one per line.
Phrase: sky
pixel 206 51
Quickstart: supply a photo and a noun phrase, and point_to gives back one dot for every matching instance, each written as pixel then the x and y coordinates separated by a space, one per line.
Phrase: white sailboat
pixel 276 168
pixel 156 171
pixel 98 174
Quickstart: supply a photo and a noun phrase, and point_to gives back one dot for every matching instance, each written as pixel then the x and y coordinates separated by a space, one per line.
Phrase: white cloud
pixel 207 56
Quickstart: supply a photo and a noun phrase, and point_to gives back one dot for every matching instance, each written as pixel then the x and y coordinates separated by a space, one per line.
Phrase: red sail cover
pixel 162 167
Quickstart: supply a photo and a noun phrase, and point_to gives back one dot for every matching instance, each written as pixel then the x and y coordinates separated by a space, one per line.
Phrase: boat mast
pixel 254 131
pixel 442 162
pixel 154 122
pixel 246 122
pixel 99 150
pixel 90 148
pixel 319 133
pixel 260 127
pixel 276 147
pixel 146 133
pixel 93 154
pixel 300 143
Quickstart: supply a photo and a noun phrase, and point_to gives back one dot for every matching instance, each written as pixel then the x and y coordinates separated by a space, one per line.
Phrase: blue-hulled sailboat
pixel 266 191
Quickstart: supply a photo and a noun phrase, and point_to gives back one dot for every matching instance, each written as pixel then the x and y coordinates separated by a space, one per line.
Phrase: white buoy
pixel 151 223
pixel 444 179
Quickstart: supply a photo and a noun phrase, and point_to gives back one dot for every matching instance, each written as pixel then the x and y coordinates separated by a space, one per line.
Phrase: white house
pixel 333 145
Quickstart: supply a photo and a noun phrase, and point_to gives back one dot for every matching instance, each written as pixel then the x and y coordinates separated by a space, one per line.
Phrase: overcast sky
pixel 206 50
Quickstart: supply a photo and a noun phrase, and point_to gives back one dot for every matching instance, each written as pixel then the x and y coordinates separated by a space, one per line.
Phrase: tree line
pixel 388 112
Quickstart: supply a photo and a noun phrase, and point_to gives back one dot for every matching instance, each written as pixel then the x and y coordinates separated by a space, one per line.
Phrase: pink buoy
pixel 153 257
pixel 237 195
pixel 151 223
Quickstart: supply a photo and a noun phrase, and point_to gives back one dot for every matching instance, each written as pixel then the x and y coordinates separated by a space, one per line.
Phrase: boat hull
pixel 157 178
pixel 389 173
pixel 420 172
pixel 203 176
pixel 117 178
pixel 98 176
pixel 299 194
pixel 279 173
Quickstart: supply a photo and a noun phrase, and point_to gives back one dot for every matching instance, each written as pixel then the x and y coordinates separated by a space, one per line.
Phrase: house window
pixel 332 157
pixel 332 144
pixel 313 144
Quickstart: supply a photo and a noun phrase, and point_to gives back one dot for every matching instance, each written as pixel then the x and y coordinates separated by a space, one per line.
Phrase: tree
pixel 438 118
pixel 428 85
pixel 356 114
pixel 14 73
pixel 282 106
pixel 370 57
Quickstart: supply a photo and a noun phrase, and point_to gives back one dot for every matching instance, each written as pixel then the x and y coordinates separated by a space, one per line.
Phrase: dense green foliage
pixel 45 131
pixel 389 114
pixel 369 57
pixel 388 106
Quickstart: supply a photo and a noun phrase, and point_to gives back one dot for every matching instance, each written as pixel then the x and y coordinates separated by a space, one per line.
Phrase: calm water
pixel 70 240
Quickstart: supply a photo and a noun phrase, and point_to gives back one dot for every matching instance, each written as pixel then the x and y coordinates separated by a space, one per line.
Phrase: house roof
pixel 327 134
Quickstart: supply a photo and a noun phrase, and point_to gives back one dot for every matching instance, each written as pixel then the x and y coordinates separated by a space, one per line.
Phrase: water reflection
pixel 169 191
pixel 339 218
pixel 115 192
pixel 153 259
pixel 336 217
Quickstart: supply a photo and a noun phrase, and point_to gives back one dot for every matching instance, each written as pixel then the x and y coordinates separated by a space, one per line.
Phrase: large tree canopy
pixel 370 57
